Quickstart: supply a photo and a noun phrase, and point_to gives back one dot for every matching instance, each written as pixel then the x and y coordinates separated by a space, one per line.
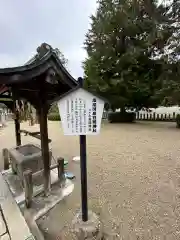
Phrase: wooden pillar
pixel 28 187
pixel 43 110
pixel 16 121
pixel 5 154
pixel 17 129
pixel 60 167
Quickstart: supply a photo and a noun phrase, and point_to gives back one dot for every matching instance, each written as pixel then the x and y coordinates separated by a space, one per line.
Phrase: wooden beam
pixel 34 134
pixel 40 172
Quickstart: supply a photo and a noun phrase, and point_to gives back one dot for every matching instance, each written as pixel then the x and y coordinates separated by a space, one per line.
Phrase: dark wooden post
pixel 60 166
pixel 5 154
pixel 174 116
pixel 37 117
pixel 16 121
pixel 43 111
pixel 28 187
pixel 137 116
pixel 17 129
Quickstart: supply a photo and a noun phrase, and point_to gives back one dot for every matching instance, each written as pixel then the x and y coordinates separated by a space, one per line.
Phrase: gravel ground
pixel 133 179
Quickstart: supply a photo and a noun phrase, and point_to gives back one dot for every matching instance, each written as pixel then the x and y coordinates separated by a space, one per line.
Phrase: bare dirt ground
pixel 133 179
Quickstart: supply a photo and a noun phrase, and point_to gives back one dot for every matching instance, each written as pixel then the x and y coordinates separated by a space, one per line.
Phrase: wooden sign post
pixel 81 114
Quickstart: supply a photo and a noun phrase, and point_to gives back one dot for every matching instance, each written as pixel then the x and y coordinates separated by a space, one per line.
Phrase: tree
pixel 123 46
pixel 170 91
pixel 54 108
pixel 61 56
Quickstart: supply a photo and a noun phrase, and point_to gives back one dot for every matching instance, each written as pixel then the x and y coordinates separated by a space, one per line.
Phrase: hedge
pixel 121 117
pixel 54 117
pixel 178 121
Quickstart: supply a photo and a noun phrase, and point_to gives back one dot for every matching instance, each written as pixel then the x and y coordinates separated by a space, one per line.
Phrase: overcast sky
pixel 24 25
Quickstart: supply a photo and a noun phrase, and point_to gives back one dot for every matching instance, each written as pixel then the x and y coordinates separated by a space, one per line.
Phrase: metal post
pixel 84 200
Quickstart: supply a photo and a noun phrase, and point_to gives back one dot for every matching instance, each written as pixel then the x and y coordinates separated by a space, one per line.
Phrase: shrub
pixel 121 117
pixel 54 117
pixel 178 121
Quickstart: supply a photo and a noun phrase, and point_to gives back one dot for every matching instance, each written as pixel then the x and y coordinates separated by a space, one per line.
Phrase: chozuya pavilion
pixel 40 81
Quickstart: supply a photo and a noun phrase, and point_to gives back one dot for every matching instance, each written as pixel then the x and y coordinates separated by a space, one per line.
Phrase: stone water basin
pixel 25 157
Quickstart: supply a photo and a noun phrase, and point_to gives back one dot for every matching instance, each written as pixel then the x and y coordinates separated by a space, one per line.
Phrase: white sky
pixel 24 25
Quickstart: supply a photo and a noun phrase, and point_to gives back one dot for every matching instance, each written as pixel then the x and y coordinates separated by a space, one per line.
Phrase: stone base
pixel 87 230
pixel 16 227
pixel 40 204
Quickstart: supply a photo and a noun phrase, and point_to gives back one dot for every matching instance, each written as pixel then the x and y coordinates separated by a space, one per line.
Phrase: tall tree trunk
pixel 37 117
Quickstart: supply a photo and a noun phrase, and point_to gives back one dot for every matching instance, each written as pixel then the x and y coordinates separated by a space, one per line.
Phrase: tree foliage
pixel 170 91
pixel 54 108
pixel 127 51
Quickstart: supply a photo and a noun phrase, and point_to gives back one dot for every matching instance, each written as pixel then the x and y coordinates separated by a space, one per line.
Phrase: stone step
pixel 16 224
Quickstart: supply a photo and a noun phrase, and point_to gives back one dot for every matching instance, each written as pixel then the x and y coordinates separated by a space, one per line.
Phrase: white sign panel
pixel 81 113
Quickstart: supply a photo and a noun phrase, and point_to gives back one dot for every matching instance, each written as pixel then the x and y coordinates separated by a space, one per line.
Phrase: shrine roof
pixel 34 69
pixel 44 69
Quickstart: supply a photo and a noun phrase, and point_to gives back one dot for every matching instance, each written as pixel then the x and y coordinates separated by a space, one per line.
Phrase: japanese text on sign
pixel 81 113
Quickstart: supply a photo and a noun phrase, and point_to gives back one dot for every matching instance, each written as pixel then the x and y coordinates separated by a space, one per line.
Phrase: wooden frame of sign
pixel 81 112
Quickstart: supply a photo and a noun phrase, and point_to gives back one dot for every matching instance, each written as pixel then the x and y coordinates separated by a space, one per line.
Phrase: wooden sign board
pixel 81 113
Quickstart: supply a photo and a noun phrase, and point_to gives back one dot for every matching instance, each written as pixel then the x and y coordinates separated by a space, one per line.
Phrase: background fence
pixel 157 116
pixel 169 117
